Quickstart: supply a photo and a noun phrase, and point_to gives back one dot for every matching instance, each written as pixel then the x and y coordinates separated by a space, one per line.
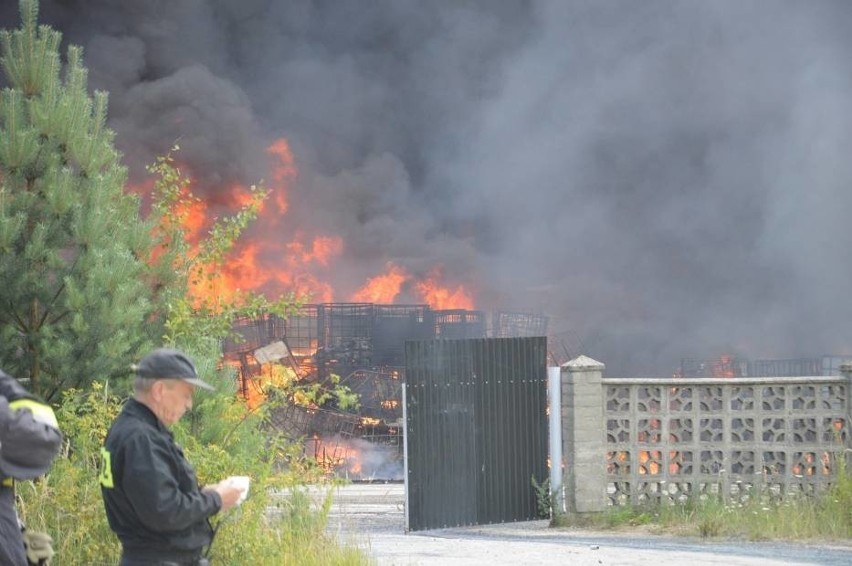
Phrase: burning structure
pixel 690 232
pixel 360 346
pixel 730 366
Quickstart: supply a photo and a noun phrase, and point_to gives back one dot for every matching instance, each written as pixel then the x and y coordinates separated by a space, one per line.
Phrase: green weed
pixel 266 529
pixel 757 515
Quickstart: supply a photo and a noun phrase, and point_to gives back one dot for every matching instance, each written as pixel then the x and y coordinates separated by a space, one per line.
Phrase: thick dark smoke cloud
pixel 666 179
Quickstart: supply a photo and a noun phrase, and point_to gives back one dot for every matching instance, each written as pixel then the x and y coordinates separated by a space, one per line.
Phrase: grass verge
pixel 756 516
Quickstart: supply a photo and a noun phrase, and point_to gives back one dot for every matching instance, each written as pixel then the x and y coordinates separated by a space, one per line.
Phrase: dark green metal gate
pixel 476 430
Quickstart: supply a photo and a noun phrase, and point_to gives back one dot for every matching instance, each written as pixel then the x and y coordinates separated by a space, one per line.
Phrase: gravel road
pixel 373 517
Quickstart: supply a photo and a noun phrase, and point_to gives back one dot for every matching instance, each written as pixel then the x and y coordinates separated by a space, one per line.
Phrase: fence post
pixel 554 426
pixel 583 436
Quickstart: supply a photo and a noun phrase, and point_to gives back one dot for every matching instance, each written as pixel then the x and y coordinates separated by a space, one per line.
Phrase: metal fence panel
pixel 476 430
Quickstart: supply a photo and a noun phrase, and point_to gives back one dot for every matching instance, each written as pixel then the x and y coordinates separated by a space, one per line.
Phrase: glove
pixel 39 548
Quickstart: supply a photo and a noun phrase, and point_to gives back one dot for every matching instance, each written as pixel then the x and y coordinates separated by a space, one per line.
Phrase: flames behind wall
pixel 363 344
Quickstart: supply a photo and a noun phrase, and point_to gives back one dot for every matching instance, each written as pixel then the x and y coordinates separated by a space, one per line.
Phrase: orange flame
pixel 283 171
pixel 435 294
pixel 297 263
pixel 382 288
pixel 320 250
pixel 335 454
pixel 192 214
pixel 353 459
pixel 386 288
pixel 724 367
pixel 259 264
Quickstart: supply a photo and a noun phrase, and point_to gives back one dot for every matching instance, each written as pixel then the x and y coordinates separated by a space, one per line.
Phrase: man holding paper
pixel 151 495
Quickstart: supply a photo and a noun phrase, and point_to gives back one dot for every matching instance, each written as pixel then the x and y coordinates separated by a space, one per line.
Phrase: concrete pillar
pixel 846 371
pixel 583 436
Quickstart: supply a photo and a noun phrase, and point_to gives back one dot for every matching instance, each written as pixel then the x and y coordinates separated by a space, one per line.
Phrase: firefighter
pixel 151 495
pixel 29 441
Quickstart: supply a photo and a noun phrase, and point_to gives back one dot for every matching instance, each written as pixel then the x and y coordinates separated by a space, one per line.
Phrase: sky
pixel 662 179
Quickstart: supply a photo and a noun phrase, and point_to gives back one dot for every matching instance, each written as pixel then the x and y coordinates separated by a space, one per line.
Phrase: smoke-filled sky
pixel 665 179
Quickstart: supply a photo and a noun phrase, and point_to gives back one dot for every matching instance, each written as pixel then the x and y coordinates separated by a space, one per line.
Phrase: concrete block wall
pixel 664 440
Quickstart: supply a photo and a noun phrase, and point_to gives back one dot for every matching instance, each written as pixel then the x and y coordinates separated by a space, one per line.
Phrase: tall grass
pixel 761 516
pixel 758 515
pixel 267 529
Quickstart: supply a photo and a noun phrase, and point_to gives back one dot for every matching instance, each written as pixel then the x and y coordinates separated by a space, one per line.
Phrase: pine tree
pixel 77 301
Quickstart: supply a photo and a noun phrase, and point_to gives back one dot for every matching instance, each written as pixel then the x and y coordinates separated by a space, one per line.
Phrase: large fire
pixel 385 288
pixel 265 262
pixel 276 255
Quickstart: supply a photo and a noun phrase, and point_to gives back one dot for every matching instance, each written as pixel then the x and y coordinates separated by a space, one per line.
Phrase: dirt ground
pixel 373 517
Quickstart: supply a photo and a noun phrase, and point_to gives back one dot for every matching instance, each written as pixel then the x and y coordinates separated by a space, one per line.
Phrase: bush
pixel 221 438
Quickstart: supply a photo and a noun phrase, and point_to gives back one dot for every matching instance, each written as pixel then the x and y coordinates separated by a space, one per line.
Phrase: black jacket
pixel 151 494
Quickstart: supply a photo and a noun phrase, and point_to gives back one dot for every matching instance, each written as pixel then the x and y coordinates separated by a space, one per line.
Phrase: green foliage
pixel 710 520
pixel 344 397
pixel 316 393
pixel 295 525
pixel 544 498
pixel 277 524
pixel 67 502
pixel 762 515
pixel 836 509
pixel 633 516
pixel 78 300
pixel 759 514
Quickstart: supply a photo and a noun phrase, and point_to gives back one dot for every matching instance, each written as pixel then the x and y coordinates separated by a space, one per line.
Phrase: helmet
pixel 30 437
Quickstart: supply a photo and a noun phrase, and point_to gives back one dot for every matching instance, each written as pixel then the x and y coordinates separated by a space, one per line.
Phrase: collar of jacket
pixel 141 411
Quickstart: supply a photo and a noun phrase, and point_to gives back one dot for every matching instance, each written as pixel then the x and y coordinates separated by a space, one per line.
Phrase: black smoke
pixel 665 179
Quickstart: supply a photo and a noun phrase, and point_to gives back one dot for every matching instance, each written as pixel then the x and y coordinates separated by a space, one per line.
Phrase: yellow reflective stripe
pixel 7 482
pixel 105 477
pixel 41 412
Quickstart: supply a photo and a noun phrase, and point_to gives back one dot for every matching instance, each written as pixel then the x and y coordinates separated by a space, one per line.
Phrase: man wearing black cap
pixel 151 494
pixel 29 441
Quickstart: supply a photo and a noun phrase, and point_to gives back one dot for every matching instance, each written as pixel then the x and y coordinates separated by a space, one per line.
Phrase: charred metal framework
pixel 363 344
pixel 346 332
pixel 302 330
pixel 510 324
pixel 393 324
pixel 458 323
pixel 727 366
pixel 250 334
pixel 723 366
